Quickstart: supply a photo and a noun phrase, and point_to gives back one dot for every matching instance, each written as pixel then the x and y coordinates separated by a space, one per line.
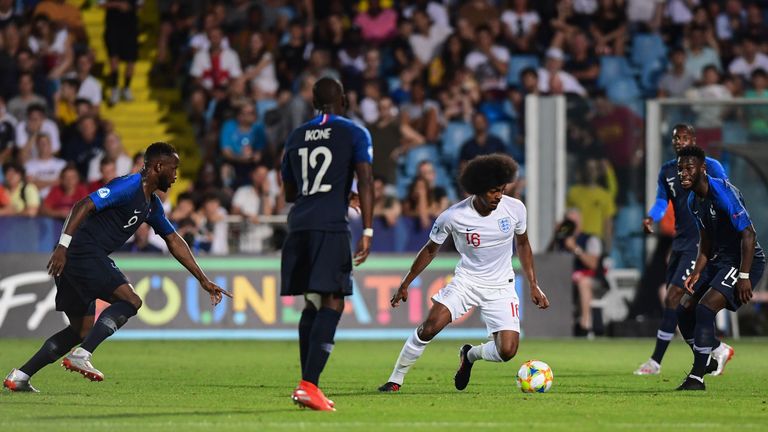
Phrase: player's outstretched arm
pixel 181 252
pixel 425 256
pixel 77 215
pixel 525 253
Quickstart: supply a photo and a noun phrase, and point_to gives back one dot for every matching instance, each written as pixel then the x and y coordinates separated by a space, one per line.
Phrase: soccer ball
pixel 534 376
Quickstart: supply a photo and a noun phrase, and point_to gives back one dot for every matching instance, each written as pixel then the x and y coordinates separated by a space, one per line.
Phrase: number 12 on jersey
pixel 309 160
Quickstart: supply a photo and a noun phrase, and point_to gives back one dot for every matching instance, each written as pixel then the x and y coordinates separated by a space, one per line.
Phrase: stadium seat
pixel 613 68
pixel 647 48
pixel 413 158
pixel 516 65
pixel 623 91
pixel 650 74
pixel 507 132
pixel 455 135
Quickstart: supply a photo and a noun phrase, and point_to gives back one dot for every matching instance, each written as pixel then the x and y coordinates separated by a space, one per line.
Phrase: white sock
pixel 412 350
pixel 21 375
pixel 486 351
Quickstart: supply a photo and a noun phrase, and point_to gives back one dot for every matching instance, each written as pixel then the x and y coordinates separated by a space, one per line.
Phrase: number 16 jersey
pixel 320 158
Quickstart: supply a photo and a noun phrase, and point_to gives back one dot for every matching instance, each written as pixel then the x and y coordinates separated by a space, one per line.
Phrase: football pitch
pixel 245 385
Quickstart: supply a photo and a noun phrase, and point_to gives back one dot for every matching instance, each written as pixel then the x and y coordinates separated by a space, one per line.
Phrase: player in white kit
pixel 483 227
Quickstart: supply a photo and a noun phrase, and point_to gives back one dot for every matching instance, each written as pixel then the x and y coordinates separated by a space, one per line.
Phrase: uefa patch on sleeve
pixel 103 192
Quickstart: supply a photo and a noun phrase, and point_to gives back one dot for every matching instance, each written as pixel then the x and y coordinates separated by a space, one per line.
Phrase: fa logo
pixel 317 134
pixel 505 224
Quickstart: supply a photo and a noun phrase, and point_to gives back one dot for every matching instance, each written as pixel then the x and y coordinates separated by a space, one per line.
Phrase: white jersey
pixel 484 242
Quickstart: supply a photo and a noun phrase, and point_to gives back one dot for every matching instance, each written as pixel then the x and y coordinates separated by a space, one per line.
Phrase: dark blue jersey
pixel 723 216
pixel 669 189
pixel 320 158
pixel 120 208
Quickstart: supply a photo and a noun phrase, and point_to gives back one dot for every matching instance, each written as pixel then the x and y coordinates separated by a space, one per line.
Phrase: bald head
pixel 328 96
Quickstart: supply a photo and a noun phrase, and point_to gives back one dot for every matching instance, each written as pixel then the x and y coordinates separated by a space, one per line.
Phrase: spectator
pixel 44 170
pixel 419 118
pixel 36 123
pixel 291 60
pixel 427 37
pixel 260 69
pixel 425 200
pixel 594 202
pixel 553 68
pixel 645 15
pixel 521 25
pixel 477 12
pixel 64 195
pixel 755 27
pixel 200 40
pixel 620 131
pixel 24 197
pixel 482 143
pixel 710 88
pixel 65 110
pixel 699 54
pixel 438 13
pixel 252 201
pixel 90 87
pixel 587 250
pixel 300 109
pixel 386 137
pixel 676 81
pixel 113 149
pixel 121 36
pixel 138 162
pixel 489 62
pixel 217 65
pixel 582 64
pixel 83 144
pixel 731 21
pixel 758 115
pixel 386 206
pixel 750 60
pixel 369 109
pixel 7 146
pixel 54 47
pixel 65 14
pixel 213 233
pixel 5 200
pixel 108 172
pixel 6 117
pixel 453 57
pixel 18 105
pixel 609 28
pixel 377 25
pixel 8 13
pixel 243 141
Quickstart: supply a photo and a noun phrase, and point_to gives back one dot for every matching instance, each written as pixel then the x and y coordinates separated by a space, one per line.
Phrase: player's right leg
pixel 125 303
pixel 665 333
pixel 439 317
pixel 53 349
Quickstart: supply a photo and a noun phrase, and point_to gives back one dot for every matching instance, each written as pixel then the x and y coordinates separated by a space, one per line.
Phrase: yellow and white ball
pixel 534 376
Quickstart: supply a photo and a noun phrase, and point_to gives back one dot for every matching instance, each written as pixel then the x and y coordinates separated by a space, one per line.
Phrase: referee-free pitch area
pixel 245 385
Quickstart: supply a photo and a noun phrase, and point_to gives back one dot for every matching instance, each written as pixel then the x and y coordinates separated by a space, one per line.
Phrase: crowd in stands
pixel 435 82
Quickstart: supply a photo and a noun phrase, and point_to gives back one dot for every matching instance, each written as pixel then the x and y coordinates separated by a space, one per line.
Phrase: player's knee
pixel 508 352
pixel 427 331
pixel 673 297
pixel 136 302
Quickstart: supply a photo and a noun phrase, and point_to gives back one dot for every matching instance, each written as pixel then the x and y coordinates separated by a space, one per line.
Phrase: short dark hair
pixel 15 166
pixel 35 107
pixel 759 73
pixel 692 151
pixel 686 126
pixel 158 149
pixel 484 173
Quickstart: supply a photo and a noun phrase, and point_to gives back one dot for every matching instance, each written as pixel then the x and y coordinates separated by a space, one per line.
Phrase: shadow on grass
pixel 148 415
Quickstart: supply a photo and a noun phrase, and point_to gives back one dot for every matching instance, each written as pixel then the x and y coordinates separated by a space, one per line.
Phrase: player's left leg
pixel 125 303
pixel 53 349
pixel 665 333
pixel 127 77
pixel 704 337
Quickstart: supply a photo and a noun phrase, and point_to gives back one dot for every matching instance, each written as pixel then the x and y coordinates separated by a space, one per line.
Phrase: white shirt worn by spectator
pixel 513 20
pixel 369 110
pixel 59 45
pixel 484 242
pixel 123 166
pixel 437 13
pixel 266 80
pixel 228 61
pixel 642 10
pixel 740 66
pixel 426 47
pixel 45 170
pixel 723 28
pixel 570 83
pixel 90 89
pixel 679 11
pixel 49 128
pixel 586 7
pixel 487 75
pixel 709 116
pixel 255 236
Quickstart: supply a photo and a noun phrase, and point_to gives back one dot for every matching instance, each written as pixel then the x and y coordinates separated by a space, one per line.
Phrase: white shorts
pixel 499 306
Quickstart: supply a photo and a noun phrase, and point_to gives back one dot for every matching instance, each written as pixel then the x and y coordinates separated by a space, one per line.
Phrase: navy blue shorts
pixel 316 262
pixel 84 280
pixel 680 267
pixel 722 277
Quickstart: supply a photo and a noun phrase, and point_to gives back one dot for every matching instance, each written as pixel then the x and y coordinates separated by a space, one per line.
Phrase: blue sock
pixel 305 329
pixel 704 339
pixel 686 322
pixel 113 317
pixel 320 344
pixel 665 334
pixel 53 349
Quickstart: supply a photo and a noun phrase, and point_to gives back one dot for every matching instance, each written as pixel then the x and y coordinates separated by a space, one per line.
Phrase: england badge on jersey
pixel 505 224
pixel 103 192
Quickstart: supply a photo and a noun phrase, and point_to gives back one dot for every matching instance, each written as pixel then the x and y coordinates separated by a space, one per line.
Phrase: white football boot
pixel 649 368
pixel 722 355
pixel 79 361
pixel 15 383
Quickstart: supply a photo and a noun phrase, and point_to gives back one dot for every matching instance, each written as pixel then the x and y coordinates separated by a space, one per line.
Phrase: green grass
pixel 244 385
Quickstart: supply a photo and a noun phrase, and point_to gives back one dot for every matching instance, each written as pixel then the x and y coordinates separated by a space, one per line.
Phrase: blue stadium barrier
pixel 21 234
